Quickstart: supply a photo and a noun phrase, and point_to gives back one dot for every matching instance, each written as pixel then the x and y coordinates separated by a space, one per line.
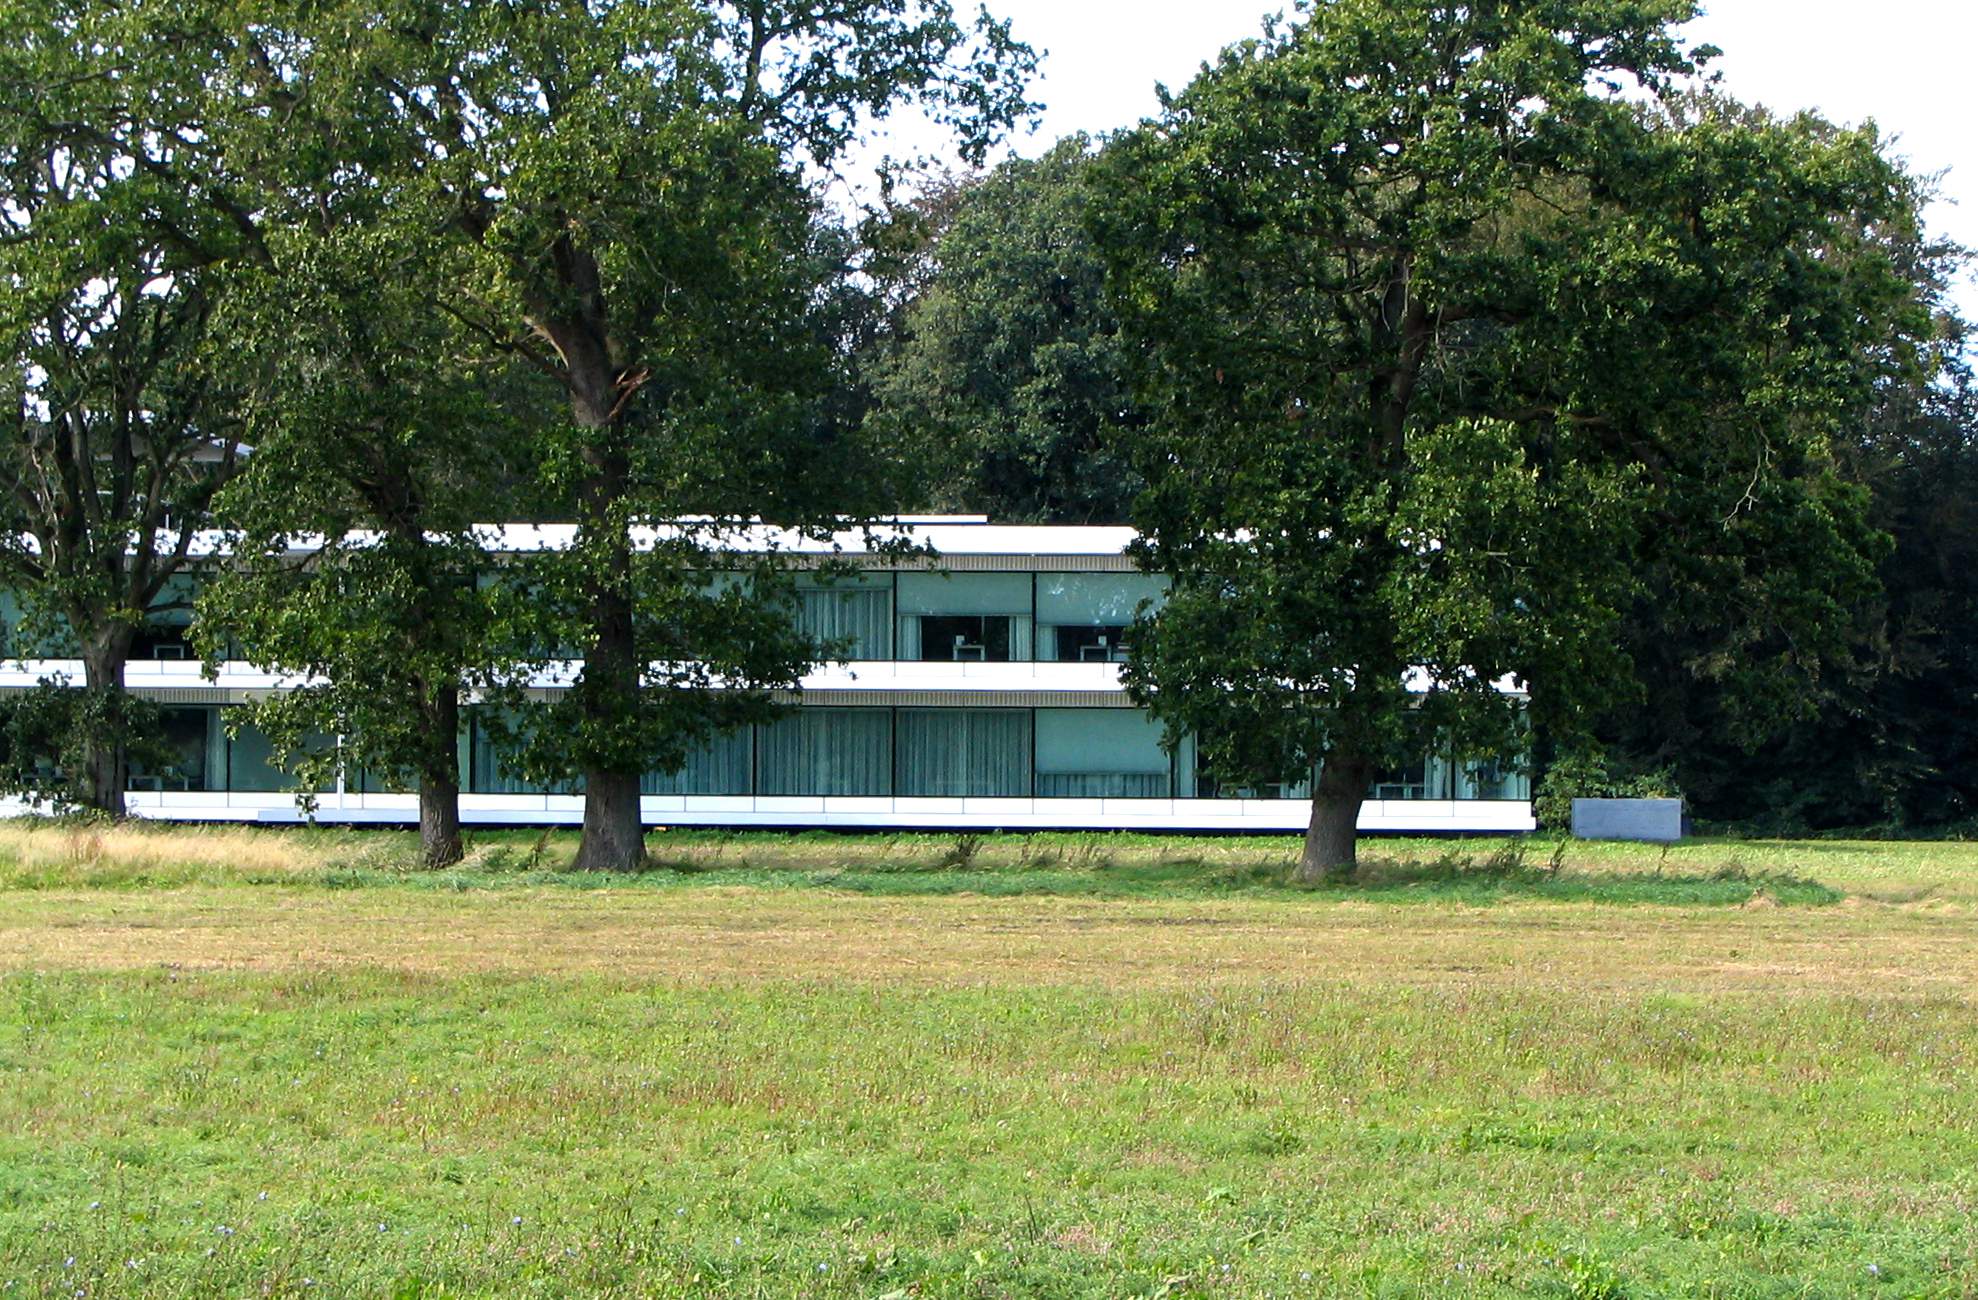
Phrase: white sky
pixel 1904 63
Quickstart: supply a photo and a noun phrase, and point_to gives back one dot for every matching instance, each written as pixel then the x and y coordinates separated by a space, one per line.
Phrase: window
pixel 251 766
pixel 719 766
pixel 1100 754
pixel 843 752
pixel 853 614
pixel 965 617
pixel 197 751
pixel 166 632
pixel 964 752
pixel 490 761
pixel 1084 617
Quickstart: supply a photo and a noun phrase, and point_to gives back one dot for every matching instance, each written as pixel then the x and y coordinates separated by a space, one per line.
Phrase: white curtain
pixel 844 752
pixel 964 752
pixel 856 616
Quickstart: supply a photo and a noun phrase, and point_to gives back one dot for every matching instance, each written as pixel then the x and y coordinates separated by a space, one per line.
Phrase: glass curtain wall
pixel 166 632
pixel 962 753
pixel 1083 617
pixel 963 617
pixel 854 613
pixel 869 752
pixel 721 766
pixel 1101 754
pixel 251 766
pixel 842 752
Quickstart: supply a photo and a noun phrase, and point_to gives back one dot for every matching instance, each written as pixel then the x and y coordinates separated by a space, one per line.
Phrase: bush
pixel 1588 776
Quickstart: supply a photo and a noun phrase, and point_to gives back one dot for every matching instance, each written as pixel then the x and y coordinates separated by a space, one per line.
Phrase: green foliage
pixel 50 732
pixel 1583 776
pixel 1879 737
pixel 1450 348
pixel 1007 367
pixel 117 216
pixel 357 563
pixel 619 198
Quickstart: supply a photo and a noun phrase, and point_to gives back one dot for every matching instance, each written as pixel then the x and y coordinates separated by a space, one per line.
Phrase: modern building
pixel 982 691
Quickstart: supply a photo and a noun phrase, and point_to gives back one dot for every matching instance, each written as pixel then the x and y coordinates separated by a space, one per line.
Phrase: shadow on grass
pixel 1489 882
pixel 1444 880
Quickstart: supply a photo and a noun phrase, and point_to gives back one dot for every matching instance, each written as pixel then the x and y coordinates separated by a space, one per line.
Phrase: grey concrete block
pixel 1656 821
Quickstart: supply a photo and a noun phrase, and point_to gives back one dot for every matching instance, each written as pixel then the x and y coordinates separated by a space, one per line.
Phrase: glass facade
pixel 1084 617
pixel 964 617
pixel 896 750
pixel 862 752
pixel 853 615
pixel 963 753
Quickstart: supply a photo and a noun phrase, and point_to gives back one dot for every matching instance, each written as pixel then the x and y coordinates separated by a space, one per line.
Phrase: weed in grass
pixel 961 854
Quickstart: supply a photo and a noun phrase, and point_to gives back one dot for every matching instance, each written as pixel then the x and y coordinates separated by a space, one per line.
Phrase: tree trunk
pixel 439 820
pixel 105 747
pixel 1331 838
pixel 439 784
pixel 614 832
pixel 600 387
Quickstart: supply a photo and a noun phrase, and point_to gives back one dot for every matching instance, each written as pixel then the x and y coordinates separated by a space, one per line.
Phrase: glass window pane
pixel 167 627
pixel 846 752
pixel 251 762
pixel 187 731
pixel 965 593
pixel 855 614
pixel 1100 754
pixel 1083 617
pixel 964 752
pixel 721 766
pixel 489 767
pixel 965 617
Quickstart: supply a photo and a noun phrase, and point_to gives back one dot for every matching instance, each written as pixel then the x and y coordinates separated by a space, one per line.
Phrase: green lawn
pixel 265 1063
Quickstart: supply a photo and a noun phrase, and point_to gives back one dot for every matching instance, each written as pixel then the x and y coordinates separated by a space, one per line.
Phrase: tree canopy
pixel 625 196
pixel 1446 341
pixel 1007 372
pixel 118 219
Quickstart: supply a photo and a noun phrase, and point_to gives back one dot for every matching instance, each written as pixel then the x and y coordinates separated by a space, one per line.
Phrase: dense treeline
pixel 1868 727
pixel 1426 346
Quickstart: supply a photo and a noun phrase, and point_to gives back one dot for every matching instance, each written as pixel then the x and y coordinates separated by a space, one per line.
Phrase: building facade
pixel 981 690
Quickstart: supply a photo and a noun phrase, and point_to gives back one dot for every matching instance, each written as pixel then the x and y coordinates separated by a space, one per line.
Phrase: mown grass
pixel 1474 872
pixel 1057 1066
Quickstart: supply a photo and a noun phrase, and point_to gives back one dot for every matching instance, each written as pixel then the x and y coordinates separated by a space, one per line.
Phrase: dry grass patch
pixel 737 934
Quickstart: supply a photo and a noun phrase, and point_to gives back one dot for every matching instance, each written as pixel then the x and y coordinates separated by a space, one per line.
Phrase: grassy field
pixel 284 1063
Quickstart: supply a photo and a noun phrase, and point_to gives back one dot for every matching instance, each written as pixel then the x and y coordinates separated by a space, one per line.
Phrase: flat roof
pixel 947 535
